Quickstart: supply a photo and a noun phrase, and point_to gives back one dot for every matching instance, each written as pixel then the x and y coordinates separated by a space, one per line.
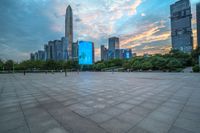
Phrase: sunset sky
pixel 143 25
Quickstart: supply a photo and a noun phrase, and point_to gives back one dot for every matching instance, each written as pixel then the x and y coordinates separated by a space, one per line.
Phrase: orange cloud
pixel 147 36
pixel 155 49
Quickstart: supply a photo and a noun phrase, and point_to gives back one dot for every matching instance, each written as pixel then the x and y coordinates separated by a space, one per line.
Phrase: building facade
pixel 181 26
pixel 113 43
pixel 69 30
pixel 123 54
pixel 198 23
pixel 58 50
pixel 104 53
pixel 32 56
pixel 41 55
pixel 75 51
pixel 86 53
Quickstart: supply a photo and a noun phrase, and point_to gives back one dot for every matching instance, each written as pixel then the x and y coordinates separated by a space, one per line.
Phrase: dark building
pixel 69 30
pixel 198 23
pixel 104 53
pixel 32 56
pixel 46 51
pixel 181 26
pixel 58 49
pixel 75 51
pixel 36 56
pixel 123 54
pixel 113 43
pixel 41 55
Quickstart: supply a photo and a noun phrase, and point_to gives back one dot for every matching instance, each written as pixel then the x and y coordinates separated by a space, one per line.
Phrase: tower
pixel 181 26
pixel 69 30
pixel 113 44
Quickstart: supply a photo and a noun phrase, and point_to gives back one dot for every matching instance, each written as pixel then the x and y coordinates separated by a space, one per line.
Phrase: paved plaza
pixel 100 103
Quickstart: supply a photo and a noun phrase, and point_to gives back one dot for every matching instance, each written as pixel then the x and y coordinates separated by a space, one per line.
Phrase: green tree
pixel 196 68
pixel 147 65
pixel 1 65
pixel 174 64
pixel 9 64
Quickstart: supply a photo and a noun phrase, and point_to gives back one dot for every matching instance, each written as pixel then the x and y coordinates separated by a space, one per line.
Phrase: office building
pixel 41 55
pixel 75 51
pixel 46 52
pixel 198 23
pixel 58 49
pixel 113 43
pixel 32 56
pixel 36 56
pixel 104 53
pixel 123 54
pixel 181 26
pixel 85 53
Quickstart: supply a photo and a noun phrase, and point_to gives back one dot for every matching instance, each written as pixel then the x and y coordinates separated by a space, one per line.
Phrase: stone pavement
pixel 100 103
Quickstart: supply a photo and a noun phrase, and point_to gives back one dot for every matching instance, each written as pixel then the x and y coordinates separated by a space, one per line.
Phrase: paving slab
pixel 98 102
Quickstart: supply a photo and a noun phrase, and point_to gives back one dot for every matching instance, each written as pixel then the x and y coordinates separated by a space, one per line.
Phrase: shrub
pixel 196 68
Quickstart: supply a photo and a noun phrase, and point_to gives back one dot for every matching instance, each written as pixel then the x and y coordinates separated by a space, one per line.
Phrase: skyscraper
pixel 113 43
pixel 198 23
pixel 104 53
pixel 181 27
pixel 69 30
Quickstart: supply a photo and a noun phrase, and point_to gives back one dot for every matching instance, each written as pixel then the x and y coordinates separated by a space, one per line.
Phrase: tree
pixel 50 65
pixel 147 65
pixel 9 64
pixel 99 66
pixel 196 68
pixel 1 65
pixel 174 64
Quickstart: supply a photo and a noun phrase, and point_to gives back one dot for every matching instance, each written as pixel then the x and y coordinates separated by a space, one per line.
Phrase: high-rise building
pixel 104 53
pixel 51 50
pixel 65 46
pixel 86 52
pixel 198 23
pixel 32 56
pixel 58 50
pixel 36 56
pixel 41 55
pixel 181 26
pixel 113 43
pixel 46 52
pixel 69 30
pixel 123 53
pixel 75 51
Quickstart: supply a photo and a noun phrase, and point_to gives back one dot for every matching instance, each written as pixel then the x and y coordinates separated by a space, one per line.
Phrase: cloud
pixel 147 36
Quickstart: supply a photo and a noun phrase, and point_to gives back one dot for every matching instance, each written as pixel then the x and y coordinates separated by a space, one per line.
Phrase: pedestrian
pixel 24 72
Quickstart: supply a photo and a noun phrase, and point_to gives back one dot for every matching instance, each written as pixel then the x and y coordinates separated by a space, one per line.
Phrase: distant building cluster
pixel 181 26
pixel 114 51
pixel 63 49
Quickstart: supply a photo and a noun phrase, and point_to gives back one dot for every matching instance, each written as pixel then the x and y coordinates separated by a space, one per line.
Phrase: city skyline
pixel 144 32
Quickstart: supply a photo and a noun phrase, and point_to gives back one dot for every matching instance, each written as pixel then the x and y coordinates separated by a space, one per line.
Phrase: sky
pixel 142 25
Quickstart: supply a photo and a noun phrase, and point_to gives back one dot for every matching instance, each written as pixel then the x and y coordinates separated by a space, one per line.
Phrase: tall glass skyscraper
pixel 198 23
pixel 181 26
pixel 69 30
pixel 113 43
